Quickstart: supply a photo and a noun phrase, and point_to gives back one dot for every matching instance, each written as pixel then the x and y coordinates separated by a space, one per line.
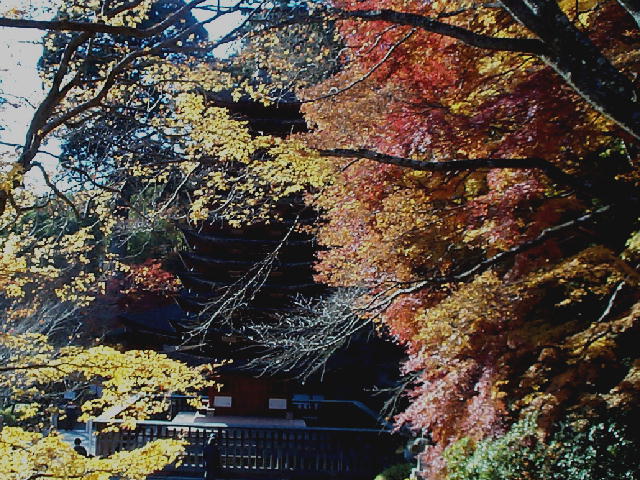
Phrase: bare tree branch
pixel 509 44
pixel 456 165
pixel 633 7
pixel 382 301
pixel 239 293
pixel 55 189
pixel 301 343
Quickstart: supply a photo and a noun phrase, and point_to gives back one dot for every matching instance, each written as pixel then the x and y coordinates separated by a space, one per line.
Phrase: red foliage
pixel 150 277
pixel 145 285
pixel 429 97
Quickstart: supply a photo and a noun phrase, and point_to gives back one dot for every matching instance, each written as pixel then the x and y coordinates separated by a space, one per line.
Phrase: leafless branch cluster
pixel 219 313
pixel 301 343
pixel 54 319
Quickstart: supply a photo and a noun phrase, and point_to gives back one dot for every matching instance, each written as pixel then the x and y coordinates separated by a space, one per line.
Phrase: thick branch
pixel 124 7
pixel 123 64
pixel 579 62
pixel 554 173
pixel 91 27
pixel 71 26
pixel 521 45
pixel 33 366
pixel 102 93
pixel 34 135
pixel 42 122
pixel 633 7
pixel 560 45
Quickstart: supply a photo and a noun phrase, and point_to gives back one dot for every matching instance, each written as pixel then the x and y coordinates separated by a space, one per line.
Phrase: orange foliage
pixel 530 332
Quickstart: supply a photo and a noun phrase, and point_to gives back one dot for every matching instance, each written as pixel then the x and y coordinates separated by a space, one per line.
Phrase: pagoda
pixel 254 271
pixel 237 277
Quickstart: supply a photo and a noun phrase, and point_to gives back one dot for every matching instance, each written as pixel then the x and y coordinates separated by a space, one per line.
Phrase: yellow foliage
pixel 31 369
pixel 28 455
pixel 267 169
pixel 32 362
pixel 28 265
pixel 9 176
pixel 513 314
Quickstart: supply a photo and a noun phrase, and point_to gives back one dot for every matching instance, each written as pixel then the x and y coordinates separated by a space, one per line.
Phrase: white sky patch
pixel 21 86
pixel 20 83
pixel 220 27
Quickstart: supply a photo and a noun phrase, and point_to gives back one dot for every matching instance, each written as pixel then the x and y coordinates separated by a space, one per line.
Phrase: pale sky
pixel 20 50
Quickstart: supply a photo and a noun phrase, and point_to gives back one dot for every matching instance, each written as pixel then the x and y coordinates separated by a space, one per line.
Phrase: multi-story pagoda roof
pixel 256 270
pixel 270 264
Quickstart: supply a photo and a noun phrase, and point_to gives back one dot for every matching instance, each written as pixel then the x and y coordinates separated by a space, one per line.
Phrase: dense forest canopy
pixel 474 166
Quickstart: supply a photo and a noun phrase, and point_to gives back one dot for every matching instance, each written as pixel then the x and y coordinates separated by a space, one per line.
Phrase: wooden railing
pixel 291 452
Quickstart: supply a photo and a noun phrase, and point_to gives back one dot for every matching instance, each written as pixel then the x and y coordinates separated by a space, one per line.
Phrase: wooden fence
pixel 291 452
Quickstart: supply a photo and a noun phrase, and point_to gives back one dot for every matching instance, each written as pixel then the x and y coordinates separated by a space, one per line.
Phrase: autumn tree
pixel 476 166
pixel 34 373
pixel 484 190
pixel 99 69
pixel 123 135
pixel 55 241
pixel 104 59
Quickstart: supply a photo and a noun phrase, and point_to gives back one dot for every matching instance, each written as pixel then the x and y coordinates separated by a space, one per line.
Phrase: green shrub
pixel 513 456
pixel 602 450
pixel 400 471
pixel 595 449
